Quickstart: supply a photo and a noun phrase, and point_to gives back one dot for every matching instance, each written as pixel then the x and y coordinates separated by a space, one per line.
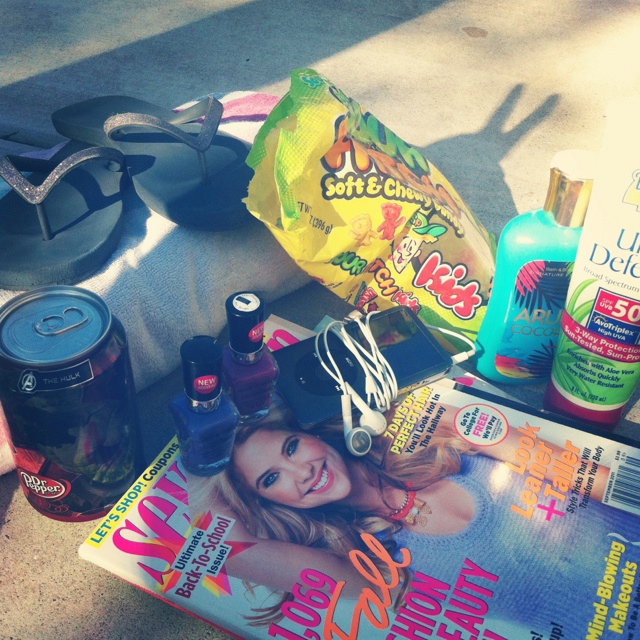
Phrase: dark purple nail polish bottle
pixel 205 418
pixel 249 370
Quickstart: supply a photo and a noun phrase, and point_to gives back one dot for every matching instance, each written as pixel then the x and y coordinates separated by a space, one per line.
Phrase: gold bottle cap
pixel 570 186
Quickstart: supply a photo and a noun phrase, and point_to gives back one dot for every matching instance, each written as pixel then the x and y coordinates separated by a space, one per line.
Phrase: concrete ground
pixel 489 90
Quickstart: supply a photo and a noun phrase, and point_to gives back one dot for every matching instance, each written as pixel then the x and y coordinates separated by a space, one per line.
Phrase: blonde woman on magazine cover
pixel 305 502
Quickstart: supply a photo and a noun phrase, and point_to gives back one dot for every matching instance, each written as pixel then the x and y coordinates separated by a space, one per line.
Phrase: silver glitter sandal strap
pixel 192 113
pixel 11 167
pixel 209 109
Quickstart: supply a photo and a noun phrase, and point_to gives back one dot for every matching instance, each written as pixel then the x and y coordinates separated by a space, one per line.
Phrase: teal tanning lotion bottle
pixel 534 261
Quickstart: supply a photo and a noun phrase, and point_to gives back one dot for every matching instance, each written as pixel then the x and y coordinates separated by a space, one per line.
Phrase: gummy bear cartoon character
pixel 361 230
pixel 392 220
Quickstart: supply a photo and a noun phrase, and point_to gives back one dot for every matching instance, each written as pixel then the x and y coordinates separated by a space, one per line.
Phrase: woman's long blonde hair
pixel 337 527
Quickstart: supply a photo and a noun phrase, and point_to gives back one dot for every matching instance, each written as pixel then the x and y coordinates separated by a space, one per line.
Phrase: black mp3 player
pixel 313 396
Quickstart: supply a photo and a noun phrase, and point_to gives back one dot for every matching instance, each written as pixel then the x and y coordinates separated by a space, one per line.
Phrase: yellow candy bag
pixel 366 214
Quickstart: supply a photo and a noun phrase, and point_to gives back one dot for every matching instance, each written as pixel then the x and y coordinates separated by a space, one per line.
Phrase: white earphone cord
pixel 463 355
pixel 381 384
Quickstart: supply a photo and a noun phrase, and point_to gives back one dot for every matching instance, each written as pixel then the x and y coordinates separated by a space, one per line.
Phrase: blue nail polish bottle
pixel 205 418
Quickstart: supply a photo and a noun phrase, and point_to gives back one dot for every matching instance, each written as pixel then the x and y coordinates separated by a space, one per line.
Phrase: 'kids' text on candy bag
pixel 366 214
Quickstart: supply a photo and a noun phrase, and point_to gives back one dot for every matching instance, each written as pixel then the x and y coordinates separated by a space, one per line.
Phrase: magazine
pixel 471 518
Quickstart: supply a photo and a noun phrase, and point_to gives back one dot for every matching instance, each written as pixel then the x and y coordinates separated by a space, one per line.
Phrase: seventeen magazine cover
pixel 471 518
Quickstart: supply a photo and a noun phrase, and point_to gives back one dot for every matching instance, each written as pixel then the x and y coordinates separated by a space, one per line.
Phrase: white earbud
pixel 372 423
pixel 370 419
pixel 358 439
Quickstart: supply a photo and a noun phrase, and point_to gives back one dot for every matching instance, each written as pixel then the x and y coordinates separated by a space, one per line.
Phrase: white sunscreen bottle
pixel 597 362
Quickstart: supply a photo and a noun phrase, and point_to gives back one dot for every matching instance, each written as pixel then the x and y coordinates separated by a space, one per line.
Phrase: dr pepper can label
pixel 67 393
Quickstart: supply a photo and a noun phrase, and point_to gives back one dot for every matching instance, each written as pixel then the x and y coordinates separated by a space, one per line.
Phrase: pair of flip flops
pixel 62 219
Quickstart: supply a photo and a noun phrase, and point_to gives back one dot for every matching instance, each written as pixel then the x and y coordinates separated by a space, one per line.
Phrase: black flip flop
pixel 63 221
pixel 187 172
